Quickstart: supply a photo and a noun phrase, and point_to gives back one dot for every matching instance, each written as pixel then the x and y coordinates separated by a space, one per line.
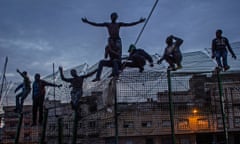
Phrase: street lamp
pixel 195 111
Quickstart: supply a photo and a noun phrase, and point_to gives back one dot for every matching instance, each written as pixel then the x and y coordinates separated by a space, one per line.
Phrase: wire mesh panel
pixel 143 111
pixel 143 104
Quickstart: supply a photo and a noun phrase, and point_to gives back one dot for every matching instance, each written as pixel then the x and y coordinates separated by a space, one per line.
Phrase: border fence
pixel 141 108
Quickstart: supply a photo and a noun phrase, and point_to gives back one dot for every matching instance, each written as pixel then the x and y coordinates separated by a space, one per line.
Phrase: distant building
pixel 143 111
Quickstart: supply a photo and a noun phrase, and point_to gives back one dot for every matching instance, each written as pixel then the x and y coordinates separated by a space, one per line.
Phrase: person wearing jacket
pixel 137 58
pixel 220 48
pixel 38 97
pixel 26 89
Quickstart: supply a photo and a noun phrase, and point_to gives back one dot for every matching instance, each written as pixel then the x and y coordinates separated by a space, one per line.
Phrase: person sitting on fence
pixel 114 61
pixel 172 53
pixel 137 58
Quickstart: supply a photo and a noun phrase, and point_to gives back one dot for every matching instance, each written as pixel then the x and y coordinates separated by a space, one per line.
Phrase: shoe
pixel 179 67
pixel 219 68
pixel 226 68
pixel 171 68
pixel 141 69
pixel 96 79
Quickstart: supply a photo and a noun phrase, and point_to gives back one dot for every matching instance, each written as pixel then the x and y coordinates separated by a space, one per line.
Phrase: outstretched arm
pixel 230 49
pixel 45 83
pixel 85 20
pixel 132 23
pixel 90 74
pixel 62 76
pixel 21 73
pixel 163 57
pixel 160 60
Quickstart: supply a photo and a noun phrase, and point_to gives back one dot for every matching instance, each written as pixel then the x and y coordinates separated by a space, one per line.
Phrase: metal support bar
pixel 45 117
pixel 60 131
pixel 171 106
pixel 18 128
pixel 222 107
pixel 115 109
pixel 75 125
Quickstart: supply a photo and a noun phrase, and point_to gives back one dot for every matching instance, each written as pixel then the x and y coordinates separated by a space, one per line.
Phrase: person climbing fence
pixel 172 53
pixel 137 58
pixel 220 48
pixel 26 89
pixel 76 85
pixel 38 96
pixel 114 60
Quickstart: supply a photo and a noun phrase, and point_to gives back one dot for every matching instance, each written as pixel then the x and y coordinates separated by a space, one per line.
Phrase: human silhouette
pixel 26 89
pixel 113 28
pixel 38 96
pixel 76 85
pixel 137 58
pixel 172 53
pixel 220 48
pixel 114 60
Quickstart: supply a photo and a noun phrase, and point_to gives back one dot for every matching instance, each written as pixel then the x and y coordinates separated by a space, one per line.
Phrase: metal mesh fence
pixel 143 111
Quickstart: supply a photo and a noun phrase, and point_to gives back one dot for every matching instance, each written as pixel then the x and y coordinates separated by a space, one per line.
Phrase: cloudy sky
pixel 34 34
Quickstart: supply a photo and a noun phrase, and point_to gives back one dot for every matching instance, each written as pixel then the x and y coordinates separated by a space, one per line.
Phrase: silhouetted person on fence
pixel 220 48
pixel 76 85
pixel 138 58
pixel 38 96
pixel 172 53
pixel 26 88
pixel 113 29
pixel 114 61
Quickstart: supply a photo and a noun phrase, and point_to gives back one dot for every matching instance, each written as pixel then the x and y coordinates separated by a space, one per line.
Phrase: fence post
pixel 18 128
pixel 45 117
pixel 171 106
pixel 115 109
pixel 222 107
pixel 75 125
pixel 60 131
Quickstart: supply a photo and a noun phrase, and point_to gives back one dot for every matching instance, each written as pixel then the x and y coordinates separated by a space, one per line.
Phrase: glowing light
pixel 195 111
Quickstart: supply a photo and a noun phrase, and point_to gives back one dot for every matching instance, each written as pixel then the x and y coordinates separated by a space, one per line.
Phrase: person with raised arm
pixel 113 28
pixel 172 53
pixel 26 89
pixel 38 97
pixel 76 85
